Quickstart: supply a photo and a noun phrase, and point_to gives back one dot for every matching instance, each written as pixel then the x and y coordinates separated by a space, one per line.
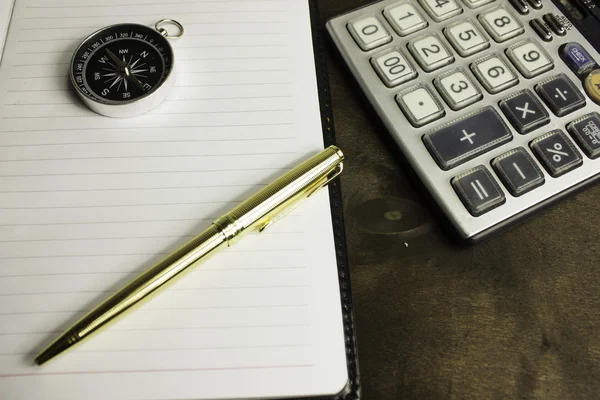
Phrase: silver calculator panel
pixel 410 137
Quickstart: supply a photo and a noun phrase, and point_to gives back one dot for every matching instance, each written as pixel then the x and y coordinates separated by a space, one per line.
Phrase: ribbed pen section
pixel 286 191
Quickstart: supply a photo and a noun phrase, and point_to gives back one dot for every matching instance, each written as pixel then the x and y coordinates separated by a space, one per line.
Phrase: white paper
pixel 87 202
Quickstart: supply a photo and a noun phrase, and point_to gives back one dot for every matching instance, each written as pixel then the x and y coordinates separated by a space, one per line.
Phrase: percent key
pixel 556 152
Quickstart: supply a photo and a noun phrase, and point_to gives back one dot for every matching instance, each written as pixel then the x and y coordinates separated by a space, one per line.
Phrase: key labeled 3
pixel 457 89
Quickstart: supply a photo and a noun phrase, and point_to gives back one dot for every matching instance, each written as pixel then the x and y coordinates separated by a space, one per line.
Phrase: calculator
pixel 494 103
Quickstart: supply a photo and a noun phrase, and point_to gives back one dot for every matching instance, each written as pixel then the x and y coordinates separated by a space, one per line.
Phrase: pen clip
pixel 331 175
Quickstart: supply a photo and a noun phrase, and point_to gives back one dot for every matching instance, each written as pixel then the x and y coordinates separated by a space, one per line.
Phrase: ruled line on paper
pixel 235 270
pixel 169 349
pixel 146 310
pixel 162 3
pixel 157 14
pixel 155 370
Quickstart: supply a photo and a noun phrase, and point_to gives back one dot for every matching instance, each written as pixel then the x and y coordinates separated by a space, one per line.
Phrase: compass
pixel 125 70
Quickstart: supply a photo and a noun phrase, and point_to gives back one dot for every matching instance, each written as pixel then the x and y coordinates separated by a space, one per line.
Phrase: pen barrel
pixel 273 201
pixel 140 289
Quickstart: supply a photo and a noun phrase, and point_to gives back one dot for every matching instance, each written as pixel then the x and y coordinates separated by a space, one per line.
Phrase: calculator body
pixel 485 129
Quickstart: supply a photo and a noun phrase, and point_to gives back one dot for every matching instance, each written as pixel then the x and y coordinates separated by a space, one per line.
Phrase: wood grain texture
pixel 515 317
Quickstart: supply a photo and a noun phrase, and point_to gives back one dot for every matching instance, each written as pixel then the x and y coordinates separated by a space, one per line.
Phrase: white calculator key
pixel 457 89
pixel 501 24
pixel 393 68
pixel 476 3
pixel 494 74
pixel 466 38
pixel 430 52
pixel 369 33
pixel 529 58
pixel 404 18
pixel 440 10
pixel 419 105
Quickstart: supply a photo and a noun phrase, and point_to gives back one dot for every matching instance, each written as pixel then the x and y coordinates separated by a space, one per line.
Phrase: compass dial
pixel 122 63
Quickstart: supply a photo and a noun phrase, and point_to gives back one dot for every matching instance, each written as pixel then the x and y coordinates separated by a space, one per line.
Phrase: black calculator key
pixel 555 24
pixel 537 4
pixel 518 171
pixel 478 190
pixel 524 111
pixel 586 132
pixel 541 29
pixel 520 5
pixel 556 153
pixel 463 139
pixel 561 95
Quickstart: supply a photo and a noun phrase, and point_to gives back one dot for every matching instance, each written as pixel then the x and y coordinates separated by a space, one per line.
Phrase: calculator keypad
pixel 420 105
pixel 430 52
pixel 530 58
pixel 393 68
pixel 369 33
pixel 404 18
pixel 501 24
pixel 457 89
pixel 466 38
pixel 485 154
pixel 494 74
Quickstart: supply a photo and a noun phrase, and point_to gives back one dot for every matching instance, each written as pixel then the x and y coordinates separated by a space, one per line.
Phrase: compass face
pixel 121 63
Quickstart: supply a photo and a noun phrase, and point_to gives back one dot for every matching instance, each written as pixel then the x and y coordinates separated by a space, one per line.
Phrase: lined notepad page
pixel 87 202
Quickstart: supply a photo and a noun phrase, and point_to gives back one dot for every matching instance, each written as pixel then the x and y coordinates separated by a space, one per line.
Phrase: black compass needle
pixel 115 59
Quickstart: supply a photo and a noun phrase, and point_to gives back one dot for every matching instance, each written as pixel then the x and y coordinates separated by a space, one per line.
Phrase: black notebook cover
pixel 352 390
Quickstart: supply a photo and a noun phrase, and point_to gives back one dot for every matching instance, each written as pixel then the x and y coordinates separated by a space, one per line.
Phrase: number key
pixel 457 89
pixel 501 24
pixel 529 58
pixel 404 18
pixel 369 33
pixel 494 74
pixel 440 10
pixel 430 52
pixel 466 38
pixel 393 68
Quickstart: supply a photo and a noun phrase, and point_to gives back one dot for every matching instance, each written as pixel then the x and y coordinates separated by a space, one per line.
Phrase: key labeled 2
pixel 430 52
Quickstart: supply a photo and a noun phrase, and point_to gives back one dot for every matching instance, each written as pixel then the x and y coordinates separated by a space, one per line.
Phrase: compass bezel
pixel 127 107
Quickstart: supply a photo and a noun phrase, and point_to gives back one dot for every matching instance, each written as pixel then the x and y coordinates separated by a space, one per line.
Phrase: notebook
pixel 88 202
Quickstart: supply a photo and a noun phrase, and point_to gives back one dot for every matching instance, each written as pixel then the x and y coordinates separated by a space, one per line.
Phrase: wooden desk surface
pixel 517 316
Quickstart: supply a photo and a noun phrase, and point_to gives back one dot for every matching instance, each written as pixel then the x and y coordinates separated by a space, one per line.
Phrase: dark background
pixel 514 317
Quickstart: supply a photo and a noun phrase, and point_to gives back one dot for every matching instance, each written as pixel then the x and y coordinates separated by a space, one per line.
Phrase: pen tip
pixel 55 348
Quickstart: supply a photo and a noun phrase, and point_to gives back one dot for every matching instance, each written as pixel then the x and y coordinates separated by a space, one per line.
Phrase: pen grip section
pixel 165 271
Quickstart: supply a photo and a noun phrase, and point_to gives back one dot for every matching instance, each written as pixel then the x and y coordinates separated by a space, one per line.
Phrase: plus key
pixel 467 137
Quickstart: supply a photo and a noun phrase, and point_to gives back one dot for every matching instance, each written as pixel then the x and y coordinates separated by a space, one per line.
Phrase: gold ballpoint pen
pixel 255 214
